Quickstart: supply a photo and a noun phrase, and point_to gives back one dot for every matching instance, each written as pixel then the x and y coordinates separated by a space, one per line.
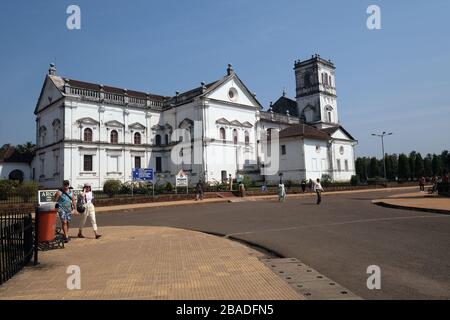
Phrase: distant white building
pixel 88 132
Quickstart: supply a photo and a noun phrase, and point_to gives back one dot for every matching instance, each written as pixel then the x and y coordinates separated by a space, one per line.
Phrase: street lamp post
pixel 382 135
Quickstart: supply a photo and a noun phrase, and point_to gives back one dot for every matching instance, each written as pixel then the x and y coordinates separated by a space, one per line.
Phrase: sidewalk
pixel 419 201
pixel 150 263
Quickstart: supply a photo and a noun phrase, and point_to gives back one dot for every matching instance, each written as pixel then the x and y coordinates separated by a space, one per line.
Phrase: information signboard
pixel 142 174
pixel 47 196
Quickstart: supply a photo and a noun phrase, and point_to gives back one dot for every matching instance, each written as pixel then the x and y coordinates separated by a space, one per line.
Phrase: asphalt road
pixel 340 238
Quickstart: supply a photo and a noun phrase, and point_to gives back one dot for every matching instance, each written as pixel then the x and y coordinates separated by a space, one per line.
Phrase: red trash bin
pixel 47 222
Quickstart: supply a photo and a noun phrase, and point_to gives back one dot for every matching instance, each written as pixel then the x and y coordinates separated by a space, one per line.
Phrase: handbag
pixel 80 204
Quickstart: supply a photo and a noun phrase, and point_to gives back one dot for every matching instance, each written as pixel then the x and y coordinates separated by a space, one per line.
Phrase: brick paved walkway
pixel 150 263
pixel 421 201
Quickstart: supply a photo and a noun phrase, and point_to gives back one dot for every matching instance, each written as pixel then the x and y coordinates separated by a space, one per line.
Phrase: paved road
pixel 339 238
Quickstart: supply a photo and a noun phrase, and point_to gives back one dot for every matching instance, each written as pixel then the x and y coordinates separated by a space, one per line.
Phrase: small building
pixel 15 165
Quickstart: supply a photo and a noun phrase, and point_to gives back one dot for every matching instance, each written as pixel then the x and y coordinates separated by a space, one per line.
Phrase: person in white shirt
pixel 88 196
pixel 318 190
pixel 281 192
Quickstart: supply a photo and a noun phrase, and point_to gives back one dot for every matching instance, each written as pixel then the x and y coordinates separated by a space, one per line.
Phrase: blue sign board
pixel 143 174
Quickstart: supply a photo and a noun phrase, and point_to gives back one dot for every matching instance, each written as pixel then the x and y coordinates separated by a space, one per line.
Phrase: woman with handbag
pixel 89 211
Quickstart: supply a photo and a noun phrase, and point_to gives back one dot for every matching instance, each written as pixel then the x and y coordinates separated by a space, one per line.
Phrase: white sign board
pixel 48 196
pixel 181 179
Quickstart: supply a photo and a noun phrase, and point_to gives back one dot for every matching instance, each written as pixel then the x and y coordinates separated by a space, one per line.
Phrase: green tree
pixel 374 168
pixel 26 148
pixel 412 164
pixel 361 168
pixel 445 158
pixel 403 167
pixel 419 167
pixel 428 171
pixel 436 165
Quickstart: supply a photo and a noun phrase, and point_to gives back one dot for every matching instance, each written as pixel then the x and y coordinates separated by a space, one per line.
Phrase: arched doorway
pixel 16 175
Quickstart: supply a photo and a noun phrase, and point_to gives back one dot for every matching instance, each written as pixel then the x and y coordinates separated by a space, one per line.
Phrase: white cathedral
pixel 91 133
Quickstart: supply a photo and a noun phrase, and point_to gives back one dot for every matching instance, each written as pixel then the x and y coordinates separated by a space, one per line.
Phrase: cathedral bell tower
pixel 316 92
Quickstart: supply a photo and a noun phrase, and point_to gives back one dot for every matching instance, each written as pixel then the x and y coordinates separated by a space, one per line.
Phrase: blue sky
pixel 395 79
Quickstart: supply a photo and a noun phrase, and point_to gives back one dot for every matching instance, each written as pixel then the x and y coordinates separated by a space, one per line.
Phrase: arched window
pixel 247 138
pixel 56 127
pixel 235 136
pixel 223 136
pixel 114 136
pixel 329 113
pixel 42 134
pixel 166 139
pixel 158 140
pixel 329 81
pixel 137 138
pixel 16 175
pixel 87 136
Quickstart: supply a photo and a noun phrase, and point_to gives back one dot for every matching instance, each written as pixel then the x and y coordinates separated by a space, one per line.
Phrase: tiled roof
pixel 115 90
pixel 332 130
pixel 303 130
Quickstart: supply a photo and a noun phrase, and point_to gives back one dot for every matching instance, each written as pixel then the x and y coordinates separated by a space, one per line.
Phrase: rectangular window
pixel 283 149
pixel 87 163
pixel 346 165
pixel 137 162
pixel 224 176
pixel 324 165
pixel 314 164
pixel 42 173
pixel 158 164
pixel 339 164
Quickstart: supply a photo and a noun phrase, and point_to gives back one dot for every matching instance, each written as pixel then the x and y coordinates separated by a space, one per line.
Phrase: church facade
pixel 91 133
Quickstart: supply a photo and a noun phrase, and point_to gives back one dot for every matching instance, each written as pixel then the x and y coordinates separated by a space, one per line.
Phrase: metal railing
pixel 16 243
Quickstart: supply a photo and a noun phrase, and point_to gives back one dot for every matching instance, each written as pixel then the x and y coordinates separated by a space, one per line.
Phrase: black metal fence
pixel 16 243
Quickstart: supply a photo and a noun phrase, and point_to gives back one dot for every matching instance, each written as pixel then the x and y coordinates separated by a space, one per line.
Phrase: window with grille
pixel 137 162
pixel 87 165
pixel 87 135
pixel 137 138
pixel 114 136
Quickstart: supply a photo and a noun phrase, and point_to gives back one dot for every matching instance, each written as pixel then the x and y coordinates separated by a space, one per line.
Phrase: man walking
pixel 303 185
pixel 318 190
pixel 281 192
pixel 422 183
pixel 199 191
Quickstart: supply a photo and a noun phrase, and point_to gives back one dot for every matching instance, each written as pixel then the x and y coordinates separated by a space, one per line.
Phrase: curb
pixel 396 206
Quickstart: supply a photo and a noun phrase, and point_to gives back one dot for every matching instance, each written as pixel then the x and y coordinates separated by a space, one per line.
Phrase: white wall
pixel 316 158
pixel 7 167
